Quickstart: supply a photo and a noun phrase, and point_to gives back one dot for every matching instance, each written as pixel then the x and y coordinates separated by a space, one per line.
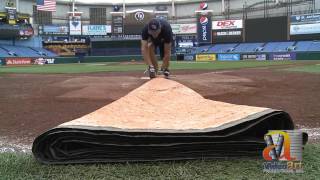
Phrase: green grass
pixel 309 68
pixel 107 67
pixel 24 166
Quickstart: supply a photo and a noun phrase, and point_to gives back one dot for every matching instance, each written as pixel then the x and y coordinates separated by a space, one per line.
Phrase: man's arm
pixel 145 52
pixel 167 55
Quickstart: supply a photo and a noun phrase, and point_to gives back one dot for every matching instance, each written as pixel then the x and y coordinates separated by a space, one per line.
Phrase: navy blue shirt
pixel 165 36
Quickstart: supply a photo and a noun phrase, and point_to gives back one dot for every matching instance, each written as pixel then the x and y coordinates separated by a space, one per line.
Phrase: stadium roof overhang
pixel 130 2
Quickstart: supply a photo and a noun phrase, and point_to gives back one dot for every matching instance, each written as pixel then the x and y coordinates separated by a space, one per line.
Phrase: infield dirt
pixel 33 103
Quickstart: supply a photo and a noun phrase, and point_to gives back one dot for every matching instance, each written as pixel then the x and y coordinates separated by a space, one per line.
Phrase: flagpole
pixel 124 8
pixel 73 3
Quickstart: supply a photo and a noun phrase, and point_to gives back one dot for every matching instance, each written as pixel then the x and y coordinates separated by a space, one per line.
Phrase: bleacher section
pixel 271 47
pixel 247 47
pixel 315 46
pixel 277 46
pixel 222 48
pixel 19 51
pixel 303 45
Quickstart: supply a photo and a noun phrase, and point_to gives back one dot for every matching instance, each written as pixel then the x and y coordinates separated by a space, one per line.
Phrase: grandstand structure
pixel 111 28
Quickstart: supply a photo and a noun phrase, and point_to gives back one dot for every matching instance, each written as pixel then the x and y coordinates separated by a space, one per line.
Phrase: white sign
pixel 229 33
pixel 75 25
pixel 96 29
pixel 184 28
pixel 227 24
pixel 304 29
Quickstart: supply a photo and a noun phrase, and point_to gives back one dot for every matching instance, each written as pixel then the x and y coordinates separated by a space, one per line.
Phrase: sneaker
pixel 152 72
pixel 166 72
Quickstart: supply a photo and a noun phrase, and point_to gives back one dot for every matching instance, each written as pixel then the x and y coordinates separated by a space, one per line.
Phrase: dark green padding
pixel 88 144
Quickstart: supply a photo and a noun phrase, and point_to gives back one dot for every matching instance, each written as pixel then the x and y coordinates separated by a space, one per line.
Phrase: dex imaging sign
pixel 227 24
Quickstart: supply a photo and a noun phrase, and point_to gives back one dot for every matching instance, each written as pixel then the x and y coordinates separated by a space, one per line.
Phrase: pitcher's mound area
pixel 160 120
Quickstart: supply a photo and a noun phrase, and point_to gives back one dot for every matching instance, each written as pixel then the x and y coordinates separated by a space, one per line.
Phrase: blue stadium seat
pixel 302 45
pixel 222 48
pixel 203 49
pixel 247 47
pixel 277 46
pixel 314 46
pixel 19 51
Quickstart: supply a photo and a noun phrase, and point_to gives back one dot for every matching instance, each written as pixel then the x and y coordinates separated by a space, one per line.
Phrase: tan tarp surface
pixel 165 104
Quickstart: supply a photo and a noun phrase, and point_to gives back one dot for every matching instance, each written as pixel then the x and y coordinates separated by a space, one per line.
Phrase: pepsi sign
pixel 203 6
pixel 204 26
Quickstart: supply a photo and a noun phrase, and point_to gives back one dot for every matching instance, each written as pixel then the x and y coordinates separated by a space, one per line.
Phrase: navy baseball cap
pixel 154 25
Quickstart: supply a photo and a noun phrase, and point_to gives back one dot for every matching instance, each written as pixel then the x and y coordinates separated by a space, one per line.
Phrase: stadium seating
pixel 302 45
pixel 271 47
pixel 19 51
pixel 277 46
pixel 247 47
pixel 315 46
pixel 222 48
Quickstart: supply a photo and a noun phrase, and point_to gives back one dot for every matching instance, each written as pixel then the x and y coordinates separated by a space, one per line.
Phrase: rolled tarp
pixel 161 120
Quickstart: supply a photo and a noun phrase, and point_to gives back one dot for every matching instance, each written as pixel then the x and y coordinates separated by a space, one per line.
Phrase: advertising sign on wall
pixel 305 24
pixel 305 18
pixel 254 57
pixel 117 24
pixel 75 25
pixel 189 57
pixel 96 29
pixel 182 40
pixel 41 61
pixel 206 57
pixel 297 29
pixel 184 28
pixel 228 57
pixel 282 56
pixel 53 30
pixel 18 61
pixel 204 27
pixel 11 15
pixel 227 24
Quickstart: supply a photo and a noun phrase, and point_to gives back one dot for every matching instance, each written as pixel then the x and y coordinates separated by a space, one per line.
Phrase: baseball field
pixel 36 98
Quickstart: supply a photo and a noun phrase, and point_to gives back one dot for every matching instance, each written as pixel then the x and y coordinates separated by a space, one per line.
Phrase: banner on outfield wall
pixel 206 57
pixel 41 61
pixel 1 62
pixel 96 30
pixel 204 27
pixel 75 25
pixel 18 61
pixel 228 57
pixel 282 56
pixel 260 57
pixel 188 57
pixel 184 28
pixel 227 24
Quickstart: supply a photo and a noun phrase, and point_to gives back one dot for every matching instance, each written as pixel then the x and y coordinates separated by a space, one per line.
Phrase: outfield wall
pixel 252 56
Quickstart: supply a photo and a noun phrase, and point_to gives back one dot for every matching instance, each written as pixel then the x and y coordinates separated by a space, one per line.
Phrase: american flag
pixel 46 5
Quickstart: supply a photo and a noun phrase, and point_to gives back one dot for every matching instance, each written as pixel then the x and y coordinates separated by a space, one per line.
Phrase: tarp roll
pixel 161 120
